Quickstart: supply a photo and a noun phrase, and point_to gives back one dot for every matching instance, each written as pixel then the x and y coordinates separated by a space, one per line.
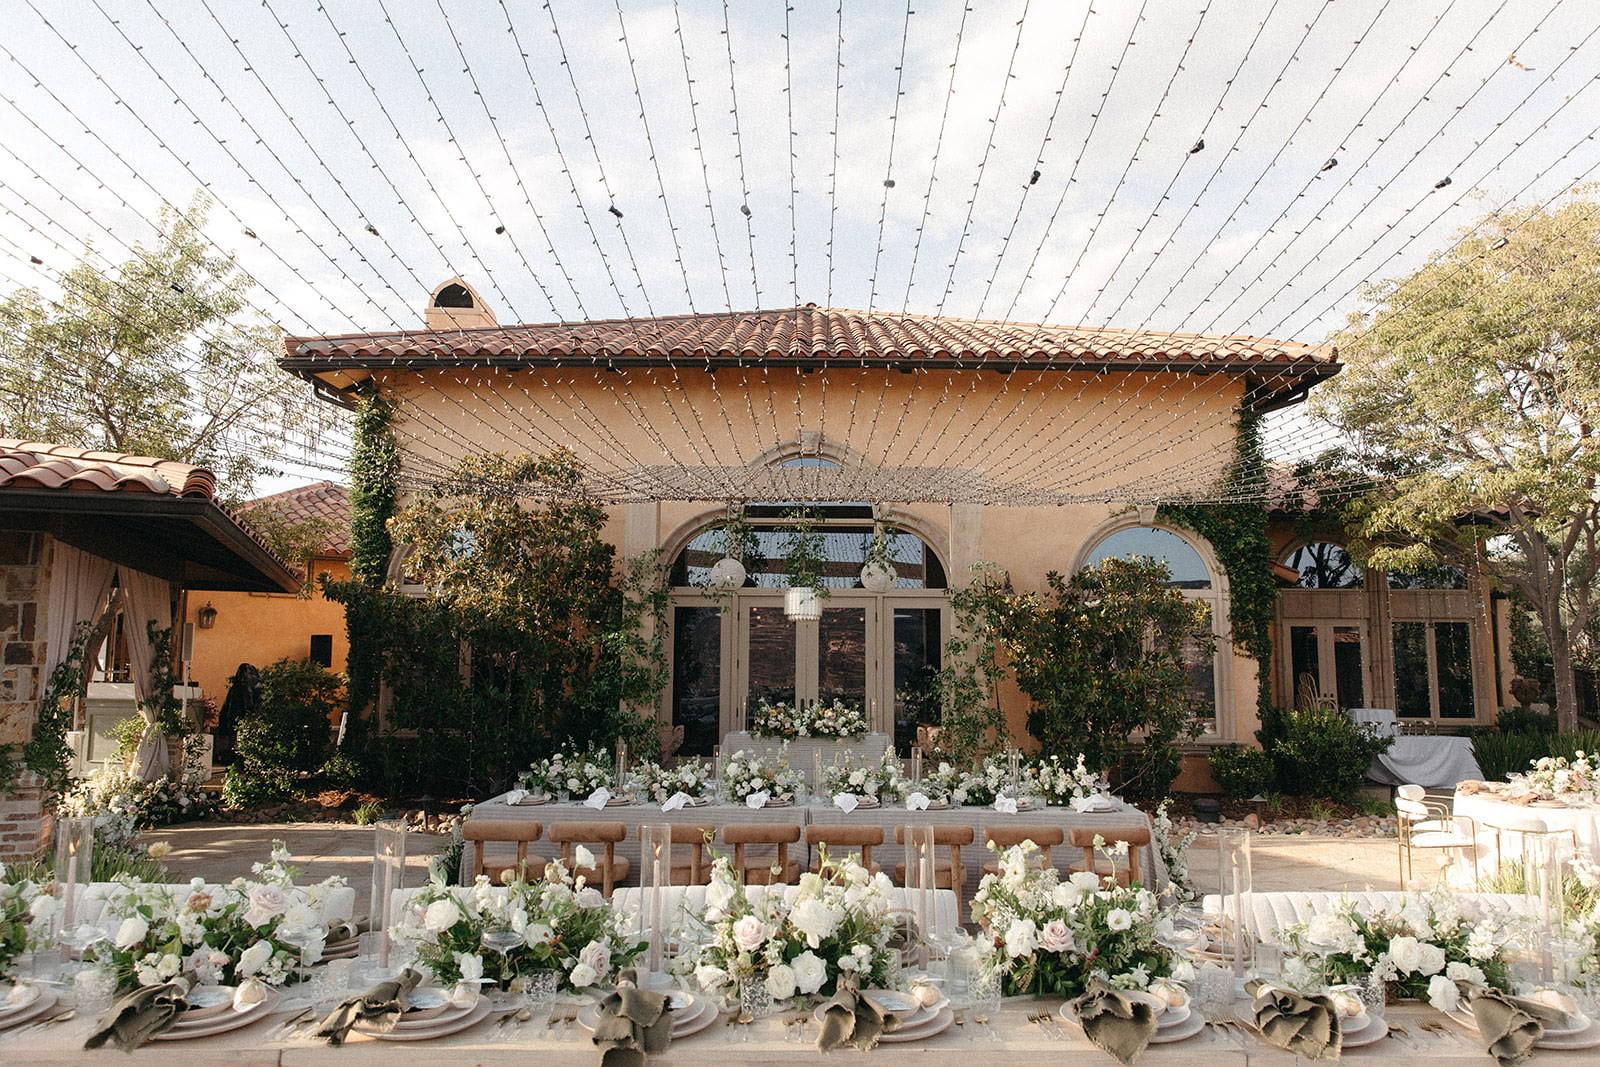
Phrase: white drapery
pixel 80 588
pixel 146 602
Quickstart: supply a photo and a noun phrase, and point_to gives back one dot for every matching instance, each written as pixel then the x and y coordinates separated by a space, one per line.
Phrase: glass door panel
pixel 697 678
pixel 1413 695
pixel 1305 664
pixel 842 656
pixel 770 654
pixel 1347 670
pixel 918 641
pixel 1452 655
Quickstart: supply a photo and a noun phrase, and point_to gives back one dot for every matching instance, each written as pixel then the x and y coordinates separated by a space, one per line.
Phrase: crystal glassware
pixel 499 937
pixel 755 1002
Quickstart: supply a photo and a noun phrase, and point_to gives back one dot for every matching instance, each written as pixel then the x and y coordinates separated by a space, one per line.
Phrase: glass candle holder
pixel 755 1002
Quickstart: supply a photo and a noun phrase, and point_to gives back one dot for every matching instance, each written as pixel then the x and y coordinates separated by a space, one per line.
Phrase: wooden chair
pixel 842 841
pixel 612 869
pixel 1046 837
pixel 948 875
pixel 760 871
pixel 698 870
pixel 482 832
pixel 1127 873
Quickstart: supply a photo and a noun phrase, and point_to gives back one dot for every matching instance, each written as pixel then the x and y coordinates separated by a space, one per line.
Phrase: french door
pixel 783 660
pixel 1327 661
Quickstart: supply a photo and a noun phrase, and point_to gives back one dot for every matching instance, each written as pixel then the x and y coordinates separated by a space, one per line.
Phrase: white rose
pixel 1464 972
pixel 266 902
pixel 1405 953
pixel 1430 958
pixel 1086 881
pixel 1443 994
pixel 1021 937
pixel 1119 919
pixel 816 920
pixel 583 976
pixel 597 957
pixel 589 897
pixel 538 934
pixel 749 933
pixel 441 916
pixel 781 982
pixel 255 957
pixel 131 932
pixel 710 977
pixel 809 972
pixel 1055 937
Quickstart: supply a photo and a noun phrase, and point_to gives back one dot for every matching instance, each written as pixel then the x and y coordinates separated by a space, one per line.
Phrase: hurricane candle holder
pixel 1235 885
pixel 916 764
pixel 655 874
pixel 919 881
pixel 389 875
pixel 1014 770
pixel 74 866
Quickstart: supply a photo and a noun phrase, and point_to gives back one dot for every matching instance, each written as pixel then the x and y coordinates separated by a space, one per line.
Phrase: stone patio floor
pixel 219 852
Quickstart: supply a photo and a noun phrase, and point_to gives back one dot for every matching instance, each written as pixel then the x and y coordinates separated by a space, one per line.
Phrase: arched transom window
pixel 1325 565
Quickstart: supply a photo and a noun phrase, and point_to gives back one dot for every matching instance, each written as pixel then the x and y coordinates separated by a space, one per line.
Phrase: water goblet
pixel 301 938
pixel 500 937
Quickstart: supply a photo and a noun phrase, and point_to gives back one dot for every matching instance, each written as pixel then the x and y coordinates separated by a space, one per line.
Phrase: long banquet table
pixel 820 812
pixel 1010 1038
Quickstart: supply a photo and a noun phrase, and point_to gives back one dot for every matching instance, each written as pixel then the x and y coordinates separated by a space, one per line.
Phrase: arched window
pixel 1435 576
pixel 1189 574
pixel 1325 565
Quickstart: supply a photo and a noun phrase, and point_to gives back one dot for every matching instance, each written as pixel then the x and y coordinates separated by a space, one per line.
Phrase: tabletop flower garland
pixel 744 773
pixel 835 719
pixel 987 780
pixel 883 778
pixel 566 926
pixel 26 909
pixel 1557 776
pixel 801 942
pixel 691 778
pixel 1052 937
pixel 570 771
pixel 1419 951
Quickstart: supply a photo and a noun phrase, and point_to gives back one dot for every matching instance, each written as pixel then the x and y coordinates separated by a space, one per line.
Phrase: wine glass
pixel 498 936
pixel 300 938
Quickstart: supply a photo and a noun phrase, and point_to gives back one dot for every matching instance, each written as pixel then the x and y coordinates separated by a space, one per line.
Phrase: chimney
pixel 455 305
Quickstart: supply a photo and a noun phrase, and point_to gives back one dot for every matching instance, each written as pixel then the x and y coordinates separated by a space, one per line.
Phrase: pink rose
pixel 749 933
pixel 1055 937
pixel 266 902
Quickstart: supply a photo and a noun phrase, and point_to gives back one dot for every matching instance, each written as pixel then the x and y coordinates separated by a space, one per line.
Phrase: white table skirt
pixel 1491 818
pixel 803 753
pixel 1432 760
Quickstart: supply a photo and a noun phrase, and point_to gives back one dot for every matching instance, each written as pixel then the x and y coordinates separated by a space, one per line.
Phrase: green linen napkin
pixel 1114 1021
pixel 1508 1025
pixel 383 1004
pixel 1304 1025
pixel 140 1015
pixel 633 1023
pixel 851 1018
pixel 347 929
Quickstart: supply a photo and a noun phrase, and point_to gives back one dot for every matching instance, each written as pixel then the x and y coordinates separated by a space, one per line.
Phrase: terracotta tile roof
pixel 319 500
pixel 35 465
pixel 808 334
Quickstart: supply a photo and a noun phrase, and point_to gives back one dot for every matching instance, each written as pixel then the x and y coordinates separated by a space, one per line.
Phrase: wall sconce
pixel 206 617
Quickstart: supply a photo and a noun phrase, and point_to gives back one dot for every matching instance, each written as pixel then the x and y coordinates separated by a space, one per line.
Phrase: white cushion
pixel 1441 839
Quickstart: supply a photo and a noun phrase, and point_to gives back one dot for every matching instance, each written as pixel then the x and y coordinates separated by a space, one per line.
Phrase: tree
pixel 1474 386
pixel 158 356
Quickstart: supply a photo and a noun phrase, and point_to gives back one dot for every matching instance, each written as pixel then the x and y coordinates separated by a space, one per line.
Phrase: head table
pixel 821 811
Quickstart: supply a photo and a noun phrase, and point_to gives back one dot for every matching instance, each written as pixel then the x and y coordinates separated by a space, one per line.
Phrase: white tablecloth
pixel 1433 760
pixel 802 754
pixel 1490 813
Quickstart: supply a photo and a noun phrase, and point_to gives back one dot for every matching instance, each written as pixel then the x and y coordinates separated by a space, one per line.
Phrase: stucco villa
pixel 1031 447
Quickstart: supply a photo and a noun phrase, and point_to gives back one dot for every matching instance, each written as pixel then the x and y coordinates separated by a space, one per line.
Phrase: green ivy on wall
pixel 1237 533
pixel 374 464
pixel 47 752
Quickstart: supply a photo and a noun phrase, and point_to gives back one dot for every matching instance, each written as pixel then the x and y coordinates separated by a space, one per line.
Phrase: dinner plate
pixel 911 1018
pixel 1464 1016
pixel 1192 1024
pixel 220 1024
pixel 699 1013
pixel 207 1001
pixel 41 1005
pixel 430 1015
pixel 1376 1030
pixel 940 1022
pixel 30 995
pixel 771 803
pixel 866 802
pixel 938 805
pixel 1588 1037
pixel 441 1026
pixel 532 800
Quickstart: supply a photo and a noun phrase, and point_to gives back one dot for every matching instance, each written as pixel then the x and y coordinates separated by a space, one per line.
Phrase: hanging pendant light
pixel 877 576
pixel 802 603
pixel 727 573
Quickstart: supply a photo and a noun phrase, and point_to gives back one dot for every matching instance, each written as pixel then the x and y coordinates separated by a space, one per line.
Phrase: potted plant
pixel 804 556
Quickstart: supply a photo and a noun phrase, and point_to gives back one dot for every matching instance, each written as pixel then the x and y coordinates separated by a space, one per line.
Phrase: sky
pixel 1031 160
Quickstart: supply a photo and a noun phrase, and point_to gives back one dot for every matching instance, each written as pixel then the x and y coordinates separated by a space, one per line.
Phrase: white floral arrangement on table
pixel 1051 937
pixel 835 719
pixel 835 925
pixel 883 779
pixel 576 773
pixel 1174 854
pixel 1059 783
pixel 1419 950
pixel 690 778
pixel 220 933
pixel 566 927
pixel 939 784
pixel 26 909
pixel 744 774
pixel 989 779
pixel 1556 776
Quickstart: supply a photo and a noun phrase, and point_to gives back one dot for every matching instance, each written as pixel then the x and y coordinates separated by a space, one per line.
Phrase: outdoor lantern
pixel 206 617
pixel 802 603
pixel 877 576
pixel 727 573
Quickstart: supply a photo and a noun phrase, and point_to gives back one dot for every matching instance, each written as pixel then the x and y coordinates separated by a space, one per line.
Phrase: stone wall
pixel 24 583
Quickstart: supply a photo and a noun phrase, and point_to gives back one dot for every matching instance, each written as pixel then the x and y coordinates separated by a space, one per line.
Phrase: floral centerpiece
pixel 833 926
pixel 835 719
pixel 938 784
pixel 1061 783
pixel 1554 776
pixel 26 908
pixel 659 783
pixel 744 774
pixel 220 933
pixel 1418 950
pixel 1051 937
pixel 989 779
pixel 566 928
pixel 882 779
pixel 570 771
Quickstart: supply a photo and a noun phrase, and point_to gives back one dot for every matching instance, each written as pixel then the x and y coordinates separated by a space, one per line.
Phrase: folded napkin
pixel 1114 1021
pixel 598 798
pixel 675 801
pixel 1006 805
pixel 1508 1025
pixel 758 799
pixel 382 1005
pixel 853 1019
pixel 917 802
pixel 633 1023
pixel 138 1016
pixel 1304 1025
pixel 516 796
pixel 347 929
pixel 846 802
pixel 1469 786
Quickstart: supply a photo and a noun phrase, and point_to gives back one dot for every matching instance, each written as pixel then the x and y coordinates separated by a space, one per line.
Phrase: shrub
pixel 367 813
pixel 1500 754
pixel 1525 721
pixel 1241 771
pixel 341 770
pixel 1323 752
pixel 286 736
